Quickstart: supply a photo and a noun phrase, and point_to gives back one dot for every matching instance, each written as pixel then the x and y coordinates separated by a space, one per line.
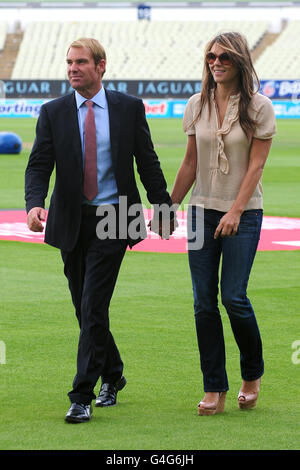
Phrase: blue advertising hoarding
pixel 20 107
pixel 282 89
pixel 153 108
pixel 145 89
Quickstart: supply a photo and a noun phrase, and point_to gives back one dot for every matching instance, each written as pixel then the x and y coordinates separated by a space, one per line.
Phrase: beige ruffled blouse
pixel 223 153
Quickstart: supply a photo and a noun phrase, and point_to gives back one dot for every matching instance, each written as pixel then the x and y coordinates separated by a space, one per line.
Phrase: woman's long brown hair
pixel 237 47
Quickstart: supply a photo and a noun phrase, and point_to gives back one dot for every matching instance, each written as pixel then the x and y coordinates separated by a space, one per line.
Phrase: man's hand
pixel 35 217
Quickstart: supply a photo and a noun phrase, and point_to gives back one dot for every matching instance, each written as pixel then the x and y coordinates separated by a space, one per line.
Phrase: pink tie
pixel 90 184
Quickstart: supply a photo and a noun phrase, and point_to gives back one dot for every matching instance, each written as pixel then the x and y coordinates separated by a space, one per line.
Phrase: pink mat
pixel 278 233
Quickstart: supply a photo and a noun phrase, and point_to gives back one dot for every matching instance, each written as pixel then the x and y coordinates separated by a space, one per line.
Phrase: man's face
pixel 83 74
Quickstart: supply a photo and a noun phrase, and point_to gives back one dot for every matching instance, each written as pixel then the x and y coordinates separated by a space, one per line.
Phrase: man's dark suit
pixel 71 230
pixel 58 143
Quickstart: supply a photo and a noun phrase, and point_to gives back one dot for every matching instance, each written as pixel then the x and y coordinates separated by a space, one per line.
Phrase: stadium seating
pixel 135 50
pixel 281 60
pixel 149 49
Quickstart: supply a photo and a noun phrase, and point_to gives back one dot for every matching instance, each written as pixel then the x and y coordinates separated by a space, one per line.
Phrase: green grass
pixel 152 321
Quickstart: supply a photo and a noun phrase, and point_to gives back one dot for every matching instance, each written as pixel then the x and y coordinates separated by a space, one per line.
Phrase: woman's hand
pixel 228 225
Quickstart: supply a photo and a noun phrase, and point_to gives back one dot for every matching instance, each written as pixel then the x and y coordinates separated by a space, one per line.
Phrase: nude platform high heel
pixel 247 398
pixel 206 408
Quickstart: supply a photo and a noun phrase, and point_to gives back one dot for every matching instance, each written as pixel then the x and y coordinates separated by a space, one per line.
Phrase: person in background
pixel 229 127
pixel 92 136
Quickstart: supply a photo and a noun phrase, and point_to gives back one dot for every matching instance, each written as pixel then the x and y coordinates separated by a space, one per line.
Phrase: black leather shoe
pixel 108 393
pixel 79 413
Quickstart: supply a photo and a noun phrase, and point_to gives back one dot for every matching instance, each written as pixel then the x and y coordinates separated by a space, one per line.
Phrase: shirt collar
pixel 99 99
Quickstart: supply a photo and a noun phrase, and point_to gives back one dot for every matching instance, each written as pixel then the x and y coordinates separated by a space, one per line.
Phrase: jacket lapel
pixel 71 127
pixel 113 102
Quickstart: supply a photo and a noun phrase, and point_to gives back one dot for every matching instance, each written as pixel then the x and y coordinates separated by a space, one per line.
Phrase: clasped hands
pixel 164 227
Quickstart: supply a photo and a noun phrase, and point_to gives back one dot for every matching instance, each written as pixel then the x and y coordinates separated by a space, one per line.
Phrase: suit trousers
pixel 92 269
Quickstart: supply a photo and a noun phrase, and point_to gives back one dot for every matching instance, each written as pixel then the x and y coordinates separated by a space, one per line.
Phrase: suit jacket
pixel 57 144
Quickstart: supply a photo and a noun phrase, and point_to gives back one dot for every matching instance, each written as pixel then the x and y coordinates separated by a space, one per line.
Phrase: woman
pixel 230 128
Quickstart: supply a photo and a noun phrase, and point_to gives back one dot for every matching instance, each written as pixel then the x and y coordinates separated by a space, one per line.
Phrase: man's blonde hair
pixel 94 46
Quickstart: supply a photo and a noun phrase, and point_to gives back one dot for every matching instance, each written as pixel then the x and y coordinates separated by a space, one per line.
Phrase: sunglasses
pixel 224 58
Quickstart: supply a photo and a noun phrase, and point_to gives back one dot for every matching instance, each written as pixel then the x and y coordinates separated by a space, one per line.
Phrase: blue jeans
pixel 238 253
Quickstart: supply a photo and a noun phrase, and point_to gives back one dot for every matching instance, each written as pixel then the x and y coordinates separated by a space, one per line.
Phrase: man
pixel 91 136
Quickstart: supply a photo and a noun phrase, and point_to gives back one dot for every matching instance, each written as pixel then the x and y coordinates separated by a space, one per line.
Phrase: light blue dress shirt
pixel 107 187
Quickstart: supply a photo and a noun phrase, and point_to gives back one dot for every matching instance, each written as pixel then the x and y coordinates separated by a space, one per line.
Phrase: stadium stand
pixel 3 30
pixel 136 50
pixel 9 48
pixel 281 60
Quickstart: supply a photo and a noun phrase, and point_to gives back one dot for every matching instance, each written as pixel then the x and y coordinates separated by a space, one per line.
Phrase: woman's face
pixel 223 73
